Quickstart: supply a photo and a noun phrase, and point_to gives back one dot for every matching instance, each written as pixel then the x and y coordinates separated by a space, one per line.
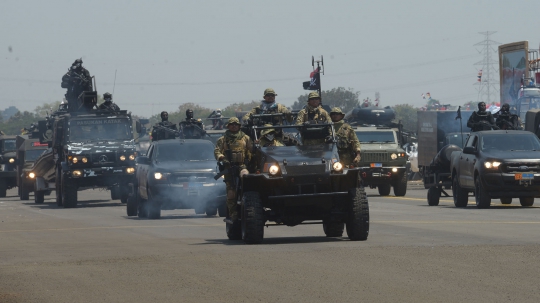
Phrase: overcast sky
pixel 215 53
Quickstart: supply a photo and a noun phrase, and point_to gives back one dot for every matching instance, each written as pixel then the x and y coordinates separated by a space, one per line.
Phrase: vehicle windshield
pixel 100 129
pixel 376 137
pixel 33 154
pixel 510 142
pixel 9 145
pixel 185 152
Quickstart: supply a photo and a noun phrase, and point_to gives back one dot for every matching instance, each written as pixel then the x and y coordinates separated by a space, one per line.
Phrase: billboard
pixel 513 63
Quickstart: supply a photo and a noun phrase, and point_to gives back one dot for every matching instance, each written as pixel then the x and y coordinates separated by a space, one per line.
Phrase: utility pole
pixel 488 86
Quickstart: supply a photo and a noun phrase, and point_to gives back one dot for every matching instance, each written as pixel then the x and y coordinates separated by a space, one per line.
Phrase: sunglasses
pixel 269 95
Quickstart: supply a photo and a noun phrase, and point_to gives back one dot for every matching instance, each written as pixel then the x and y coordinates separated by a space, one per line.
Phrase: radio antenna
pixel 114 84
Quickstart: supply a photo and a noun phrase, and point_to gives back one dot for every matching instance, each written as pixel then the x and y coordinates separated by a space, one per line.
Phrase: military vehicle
pixel 384 162
pixel 8 172
pixel 292 185
pixel 28 151
pixel 91 148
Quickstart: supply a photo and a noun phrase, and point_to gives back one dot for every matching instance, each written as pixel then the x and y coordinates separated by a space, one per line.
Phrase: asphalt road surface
pixel 414 253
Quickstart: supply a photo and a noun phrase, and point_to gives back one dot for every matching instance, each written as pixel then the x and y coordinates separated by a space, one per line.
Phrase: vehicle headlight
pixel 11 160
pixel 76 173
pixel 273 170
pixel 393 156
pixel 122 158
pixel 130 170
pixel 31 175
pixel 84 160
pixel 337 166
pixel 158 176
pixel 131 157
pixel 74 160
pixel 493 164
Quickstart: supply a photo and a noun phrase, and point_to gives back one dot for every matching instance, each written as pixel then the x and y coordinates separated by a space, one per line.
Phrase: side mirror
pixel 138 127
pixel 142 160
pixel 469 150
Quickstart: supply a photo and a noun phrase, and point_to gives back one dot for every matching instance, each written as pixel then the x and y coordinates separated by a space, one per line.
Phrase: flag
pixel 458 113
pixel 479 76
pixel 423 96
pixel 315 82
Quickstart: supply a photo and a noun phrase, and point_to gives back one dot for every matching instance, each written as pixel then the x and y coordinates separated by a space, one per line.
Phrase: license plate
pixel 193 185
pixel 522 176
pixel 376 164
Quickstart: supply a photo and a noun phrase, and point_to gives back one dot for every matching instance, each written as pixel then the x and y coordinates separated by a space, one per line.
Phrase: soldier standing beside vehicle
pixel 481 119
pixel 347 141
pixel 313 113
pixel 108 104
pixel 159 134
pixel 269 106
pixel 233 149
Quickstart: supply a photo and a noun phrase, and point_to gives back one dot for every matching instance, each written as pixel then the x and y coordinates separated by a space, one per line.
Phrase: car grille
pixel 103 159
pixel 520 167
pixel 191 177
pixel 306 169
pixel 375 157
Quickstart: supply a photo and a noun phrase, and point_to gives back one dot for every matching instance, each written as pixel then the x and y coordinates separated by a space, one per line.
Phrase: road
pixel 414 253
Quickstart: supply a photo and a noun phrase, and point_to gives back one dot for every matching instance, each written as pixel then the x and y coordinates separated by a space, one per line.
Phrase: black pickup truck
pixel 500 164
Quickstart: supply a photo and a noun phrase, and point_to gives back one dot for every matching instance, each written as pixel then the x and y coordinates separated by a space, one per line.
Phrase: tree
pixel 18 122
pixel 407 115
pixel 42 110
pixel 345 98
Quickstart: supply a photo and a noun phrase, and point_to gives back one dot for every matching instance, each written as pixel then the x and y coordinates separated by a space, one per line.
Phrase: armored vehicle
pixel 8 172
pixel 28 151
pixel 300 184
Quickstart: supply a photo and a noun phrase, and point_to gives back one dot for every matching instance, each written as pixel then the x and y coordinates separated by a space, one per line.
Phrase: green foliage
pixel 239 108
pixel 344 98
pixel 17 122
pixel 407 115
pixel 42 110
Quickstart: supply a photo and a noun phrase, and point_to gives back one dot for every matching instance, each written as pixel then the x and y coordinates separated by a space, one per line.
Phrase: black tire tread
pixel 252 218
pixel 400 188
pixel 357 225
pixel 460 196
pixel 384 189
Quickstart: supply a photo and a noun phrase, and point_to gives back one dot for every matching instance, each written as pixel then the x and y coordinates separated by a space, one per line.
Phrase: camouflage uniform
pixel 347 141
pixel 314 115
pixel 270 108
pixel 240 146
pixel 264 141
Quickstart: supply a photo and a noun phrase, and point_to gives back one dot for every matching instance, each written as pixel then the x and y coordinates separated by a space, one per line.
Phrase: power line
pixel 488 85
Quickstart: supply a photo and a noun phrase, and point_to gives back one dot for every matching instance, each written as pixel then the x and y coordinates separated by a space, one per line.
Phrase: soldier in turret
pixel 76 80
pixel 191 128
pixel 506 120
pixel 313 113
pixel 160 134
pixel 108 104
pixel 269 106
pixel 481 119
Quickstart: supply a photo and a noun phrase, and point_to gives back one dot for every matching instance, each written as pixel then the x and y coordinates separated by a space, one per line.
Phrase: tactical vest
pixel 313 116
pixel 343 141
pixel 237 149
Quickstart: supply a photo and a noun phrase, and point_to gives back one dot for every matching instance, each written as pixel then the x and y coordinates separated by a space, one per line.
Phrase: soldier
pixel 481 119
pixel 233 149
pixel 269 138
pixel 347 141
pixel 76 80
pixel 191 128
pixel 159 134
pixel 269 106
pixel 507 120
pixel 108 104
pixel 313 113
pixel 217 122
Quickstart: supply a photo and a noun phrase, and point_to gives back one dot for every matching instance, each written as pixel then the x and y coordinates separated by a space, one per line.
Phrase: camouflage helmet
pixel 267 130
pixel 269 91
pixel 233 120
pixel 336 110
pixel 314 95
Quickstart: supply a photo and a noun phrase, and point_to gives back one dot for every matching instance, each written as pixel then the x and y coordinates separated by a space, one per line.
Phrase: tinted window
pixel 9 144
pixel 100 129
pixel 376 137
pixel 510 142
pixel 185 152
pixel 33 154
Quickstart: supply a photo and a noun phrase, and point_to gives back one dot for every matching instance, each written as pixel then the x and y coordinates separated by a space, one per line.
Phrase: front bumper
pixel 189 195
pixel 99 176
pixel 500 185
pixel 381 175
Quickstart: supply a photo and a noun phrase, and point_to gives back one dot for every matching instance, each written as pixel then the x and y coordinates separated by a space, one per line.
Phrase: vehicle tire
pixel 234 231
pixel 333 229
pixel 142 210
pixel 211 211
pixel 357 224
pixel 526 201
pixel 461 198
pixel 480 194
pixel 115 192
pixel 384 189
pixel 3 188
pixel 506 200
pixel 132 205
pixel 124 199
pixel 400 188
pixel 199 209
pixel 223 211
pixel 153 210
pixel 25 193
pixel 433 196
pixel 58 186
pixel 252 218
pixel 39 197
pixel 69 192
